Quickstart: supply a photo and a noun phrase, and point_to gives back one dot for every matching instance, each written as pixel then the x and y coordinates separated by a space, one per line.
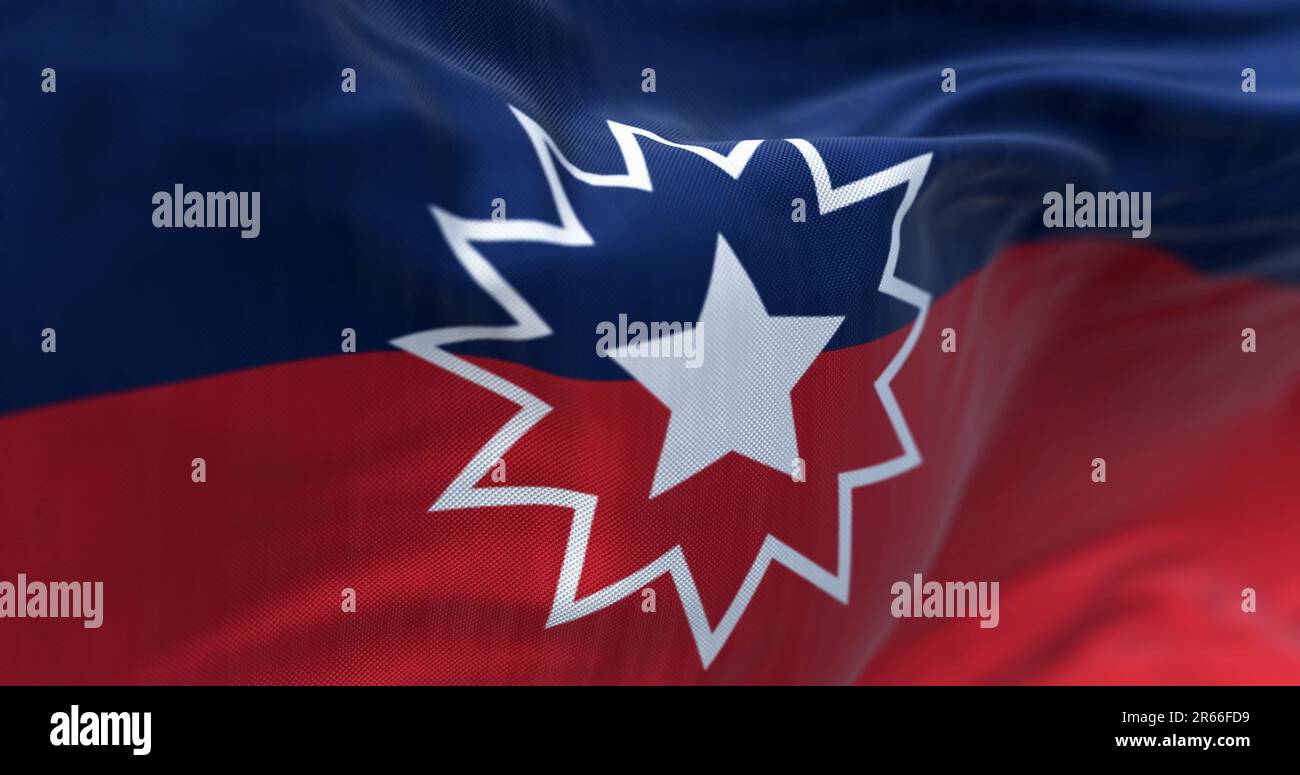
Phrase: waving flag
pixel 503 343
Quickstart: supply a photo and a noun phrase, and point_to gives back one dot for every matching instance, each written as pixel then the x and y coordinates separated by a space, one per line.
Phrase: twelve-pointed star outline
pixel 463 234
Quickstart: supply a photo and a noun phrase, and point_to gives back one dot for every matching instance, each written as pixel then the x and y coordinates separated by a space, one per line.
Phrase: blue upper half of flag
pixel 246 96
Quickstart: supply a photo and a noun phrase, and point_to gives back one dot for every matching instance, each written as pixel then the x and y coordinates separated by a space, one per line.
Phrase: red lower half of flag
pixel 319 476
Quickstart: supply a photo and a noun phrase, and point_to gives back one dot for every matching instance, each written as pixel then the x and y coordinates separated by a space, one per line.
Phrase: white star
pixel 737 399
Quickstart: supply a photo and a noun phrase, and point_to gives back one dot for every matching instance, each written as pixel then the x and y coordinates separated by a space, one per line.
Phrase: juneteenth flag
pixel 659 342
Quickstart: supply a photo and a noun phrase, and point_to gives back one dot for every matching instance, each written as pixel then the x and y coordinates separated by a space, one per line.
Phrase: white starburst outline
pixel 462 233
